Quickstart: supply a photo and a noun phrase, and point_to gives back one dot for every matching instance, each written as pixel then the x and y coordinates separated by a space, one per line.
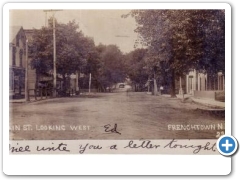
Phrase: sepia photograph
pixel 93 88
pixel 112 74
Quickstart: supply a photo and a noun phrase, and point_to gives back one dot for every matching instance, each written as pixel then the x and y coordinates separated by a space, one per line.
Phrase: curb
pixel 208 105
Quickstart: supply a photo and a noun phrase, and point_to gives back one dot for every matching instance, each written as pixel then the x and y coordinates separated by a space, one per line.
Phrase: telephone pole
pixel 46 18
pixel 90 81
pixel 26 73
pixel 54 51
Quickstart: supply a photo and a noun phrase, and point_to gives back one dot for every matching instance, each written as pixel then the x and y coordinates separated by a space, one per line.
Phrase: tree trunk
pixel 77 79
pixel 155 92
pixel 102 88
pixel 173 94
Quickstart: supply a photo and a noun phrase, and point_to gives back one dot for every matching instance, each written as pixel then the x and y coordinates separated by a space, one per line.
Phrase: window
pixel 11 76
pixel 21 56
pixel 17 40
pixel 13 55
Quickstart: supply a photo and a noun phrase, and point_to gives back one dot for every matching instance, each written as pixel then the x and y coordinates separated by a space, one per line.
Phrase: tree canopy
pixel 182 39
pixel 112 69
pixel 136 67
pixel 76 53
pixel 72 49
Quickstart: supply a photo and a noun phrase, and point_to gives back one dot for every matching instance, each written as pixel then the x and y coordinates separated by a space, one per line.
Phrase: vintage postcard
pixel 142 80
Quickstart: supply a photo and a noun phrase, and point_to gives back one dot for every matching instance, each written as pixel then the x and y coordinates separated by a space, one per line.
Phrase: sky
pixel 104 26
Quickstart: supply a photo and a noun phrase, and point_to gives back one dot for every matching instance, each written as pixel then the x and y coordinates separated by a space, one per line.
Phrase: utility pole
pixel 54 59
pixel 54 52
pixel 26 73
pixel 46 19
pixel 90 80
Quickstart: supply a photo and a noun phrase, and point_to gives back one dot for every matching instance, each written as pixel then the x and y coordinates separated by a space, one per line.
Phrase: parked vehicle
pixel 121 85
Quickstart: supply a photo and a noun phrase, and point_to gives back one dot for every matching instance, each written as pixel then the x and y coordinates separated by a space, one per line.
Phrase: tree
pixel 179 37
pixel 72 49
pixel 168 35
pixel 112 68
pixel 93 66
pixel 211 24
pixel 137 68
pixel 39 50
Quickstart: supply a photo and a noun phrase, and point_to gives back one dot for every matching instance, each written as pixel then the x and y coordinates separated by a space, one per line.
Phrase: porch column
pixel 194 80
pixel 206 85
pixel 199 82
pixel 223 83
pixel 12 79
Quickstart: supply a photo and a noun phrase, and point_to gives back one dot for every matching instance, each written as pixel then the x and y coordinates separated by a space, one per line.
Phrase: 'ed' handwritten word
pixel 110 129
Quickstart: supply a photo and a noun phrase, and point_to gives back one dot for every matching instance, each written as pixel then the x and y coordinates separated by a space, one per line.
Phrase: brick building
pixel 17 56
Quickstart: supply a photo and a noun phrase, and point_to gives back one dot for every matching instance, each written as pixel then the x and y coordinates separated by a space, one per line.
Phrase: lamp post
pixel 26 73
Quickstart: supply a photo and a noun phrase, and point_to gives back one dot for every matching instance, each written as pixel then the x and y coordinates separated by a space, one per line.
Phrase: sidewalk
pixel 205 102
pixel 17 100
pixel 178 96
pixel 31 99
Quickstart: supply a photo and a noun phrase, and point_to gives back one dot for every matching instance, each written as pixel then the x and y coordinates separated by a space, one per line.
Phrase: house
pixel 203 85
pixel 17 56
pixel 19 39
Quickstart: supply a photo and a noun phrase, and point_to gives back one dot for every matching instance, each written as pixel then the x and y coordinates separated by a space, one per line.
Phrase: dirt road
pixel 119 115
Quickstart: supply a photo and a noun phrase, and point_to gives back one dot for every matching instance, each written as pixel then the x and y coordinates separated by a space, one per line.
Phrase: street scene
pixel 136 115
pixel 116 74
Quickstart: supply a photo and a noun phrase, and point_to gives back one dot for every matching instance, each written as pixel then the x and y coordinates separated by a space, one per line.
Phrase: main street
pixel 117 115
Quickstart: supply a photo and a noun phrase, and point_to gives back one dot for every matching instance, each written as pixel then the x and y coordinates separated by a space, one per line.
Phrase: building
pixel 18 62
pixel 203 85
pixel 19 39
pixel 17 56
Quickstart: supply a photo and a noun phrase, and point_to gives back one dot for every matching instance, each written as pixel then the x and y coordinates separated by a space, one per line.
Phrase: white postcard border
pixel 114 164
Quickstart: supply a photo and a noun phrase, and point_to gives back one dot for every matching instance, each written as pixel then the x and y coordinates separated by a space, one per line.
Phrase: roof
pixel 13 31
pixel 29 33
